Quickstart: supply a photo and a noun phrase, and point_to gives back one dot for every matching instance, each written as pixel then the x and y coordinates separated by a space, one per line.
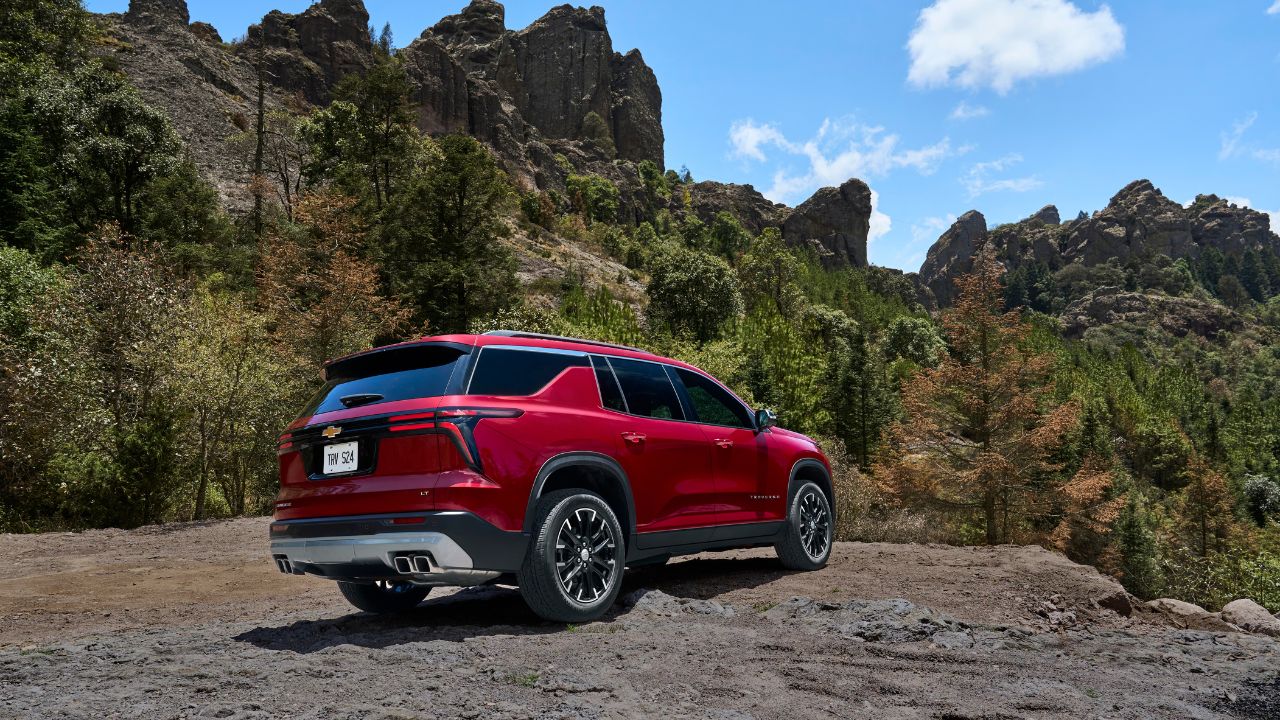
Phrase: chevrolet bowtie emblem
pixel 331 432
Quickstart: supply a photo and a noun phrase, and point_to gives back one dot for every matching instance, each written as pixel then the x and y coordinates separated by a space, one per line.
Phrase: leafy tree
pixel 855 388
pixel 914 339
pixel 655 184
pixel 727 237
pixel 597 134
pixel 692 293
pixel 1232 292
pixel 321 299
pixel 1262 498
pixel 1204 509
pixel 1253 275
pixel 445 257
pixel 770 273
pixel 366 139
pixel 1136 542
pixel 974 436
pixel 595 197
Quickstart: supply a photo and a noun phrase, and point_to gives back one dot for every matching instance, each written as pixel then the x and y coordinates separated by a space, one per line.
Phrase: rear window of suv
pixel 415 371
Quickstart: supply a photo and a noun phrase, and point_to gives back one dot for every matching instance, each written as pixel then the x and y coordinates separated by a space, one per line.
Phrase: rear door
pixel 745 492
pixel 667 460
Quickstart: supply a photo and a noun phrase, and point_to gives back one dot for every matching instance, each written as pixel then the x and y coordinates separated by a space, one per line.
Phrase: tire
pixel 556 580
pixel 384 596
pixel 806 541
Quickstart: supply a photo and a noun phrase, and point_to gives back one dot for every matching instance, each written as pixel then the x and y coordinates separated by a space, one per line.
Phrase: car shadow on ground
pixel 499 610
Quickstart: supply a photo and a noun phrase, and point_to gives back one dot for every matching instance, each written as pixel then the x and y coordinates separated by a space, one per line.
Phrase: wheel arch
pixel 592 471
pixel 811 470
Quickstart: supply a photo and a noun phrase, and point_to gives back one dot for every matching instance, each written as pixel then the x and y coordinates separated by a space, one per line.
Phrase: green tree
pixel 594 196
pixel 1135 539
pixel 596 132
pixel 1253 275
pixel 770 274
pixel 366 139
pixel 692 293
pixel 443 239
pixel 915 339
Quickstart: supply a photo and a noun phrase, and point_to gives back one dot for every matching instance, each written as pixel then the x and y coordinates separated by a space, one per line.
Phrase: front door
pixel 745 493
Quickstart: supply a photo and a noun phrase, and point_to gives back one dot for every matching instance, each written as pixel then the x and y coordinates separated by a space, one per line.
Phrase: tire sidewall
pixel 546 555
pixel 793 522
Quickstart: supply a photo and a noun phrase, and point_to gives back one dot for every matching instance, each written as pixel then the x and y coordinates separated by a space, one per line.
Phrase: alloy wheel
pixel 815 525
pixel 586 555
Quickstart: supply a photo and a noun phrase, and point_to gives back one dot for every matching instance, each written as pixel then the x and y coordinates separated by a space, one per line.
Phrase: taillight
pixel 456 422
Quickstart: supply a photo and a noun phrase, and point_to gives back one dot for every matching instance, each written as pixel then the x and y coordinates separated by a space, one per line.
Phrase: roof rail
pixel 562 338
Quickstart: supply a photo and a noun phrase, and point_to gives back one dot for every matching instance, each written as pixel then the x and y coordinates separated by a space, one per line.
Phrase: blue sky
pixel 942 107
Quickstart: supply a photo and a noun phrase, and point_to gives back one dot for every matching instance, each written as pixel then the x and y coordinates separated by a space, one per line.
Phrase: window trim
pixel 471 372
pixel 608 366
pixel 680 391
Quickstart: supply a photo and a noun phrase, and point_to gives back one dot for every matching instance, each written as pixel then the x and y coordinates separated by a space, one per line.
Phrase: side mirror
pixel 765 419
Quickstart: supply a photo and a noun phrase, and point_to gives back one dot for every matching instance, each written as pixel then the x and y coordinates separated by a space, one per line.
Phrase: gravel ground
pixel 194 621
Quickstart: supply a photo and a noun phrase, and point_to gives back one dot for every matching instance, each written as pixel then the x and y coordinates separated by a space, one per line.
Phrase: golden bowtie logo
pixel 331 432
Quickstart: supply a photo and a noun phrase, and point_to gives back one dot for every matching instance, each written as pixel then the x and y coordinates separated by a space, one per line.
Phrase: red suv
pixel 467 459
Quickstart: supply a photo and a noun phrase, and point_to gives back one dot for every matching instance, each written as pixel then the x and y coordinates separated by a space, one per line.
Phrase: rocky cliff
pixel 1139 223
pixel 533 95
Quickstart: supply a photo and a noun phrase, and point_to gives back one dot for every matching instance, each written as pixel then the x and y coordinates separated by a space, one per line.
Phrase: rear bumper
pixel 442 547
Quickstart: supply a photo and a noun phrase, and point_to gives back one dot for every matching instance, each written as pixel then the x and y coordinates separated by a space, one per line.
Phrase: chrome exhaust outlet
pixel 421 564
pixel 283 565
pixel 403 566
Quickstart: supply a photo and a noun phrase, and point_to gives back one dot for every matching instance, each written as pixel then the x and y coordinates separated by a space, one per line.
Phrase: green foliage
pixel 366 139
pixel 914 339
pixel 655 183
pixel 692 293
pixel 1135 539
pixel 770 274
pixel 595 197
pixel 442 238
pixel 596 132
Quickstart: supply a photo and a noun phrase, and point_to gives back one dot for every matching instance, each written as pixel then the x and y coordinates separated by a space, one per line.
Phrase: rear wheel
pixel 383 596
pixel 806 542
pixel 573 570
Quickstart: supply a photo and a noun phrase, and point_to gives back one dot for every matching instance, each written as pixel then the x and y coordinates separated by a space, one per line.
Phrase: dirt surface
pixel 195 621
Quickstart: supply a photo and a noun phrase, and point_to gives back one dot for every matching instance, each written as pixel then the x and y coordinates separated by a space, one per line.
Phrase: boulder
pixel 1189 616
pixel 173 12
pixel 1119 602
pixel 835 221
pixel 952 255
pixel 1047 215
pixel 1249 615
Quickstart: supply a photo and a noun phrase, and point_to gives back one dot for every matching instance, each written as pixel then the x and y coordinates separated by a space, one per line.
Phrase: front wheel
pixel 383 596
pixel 806 542
pixel 573 570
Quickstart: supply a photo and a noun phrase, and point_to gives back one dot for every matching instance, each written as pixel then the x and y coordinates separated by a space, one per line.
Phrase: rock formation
pixel 1139 223
pixel 835 221
pixel 525 93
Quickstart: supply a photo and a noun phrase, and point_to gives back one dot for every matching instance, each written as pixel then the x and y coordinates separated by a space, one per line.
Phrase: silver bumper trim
pixel 381 548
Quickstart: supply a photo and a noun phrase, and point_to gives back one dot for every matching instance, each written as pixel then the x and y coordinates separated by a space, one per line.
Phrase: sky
pixel 1002 106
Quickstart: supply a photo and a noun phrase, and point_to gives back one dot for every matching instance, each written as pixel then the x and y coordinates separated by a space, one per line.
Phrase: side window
pixel 504 371
pixel 711 403
pixel 647 389
pixel 610 393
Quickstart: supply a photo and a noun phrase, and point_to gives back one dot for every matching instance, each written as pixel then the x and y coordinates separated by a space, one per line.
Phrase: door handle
pixel 724 443
pixel 633 437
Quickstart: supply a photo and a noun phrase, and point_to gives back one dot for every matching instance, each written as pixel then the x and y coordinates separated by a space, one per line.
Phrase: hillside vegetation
pixel 158 328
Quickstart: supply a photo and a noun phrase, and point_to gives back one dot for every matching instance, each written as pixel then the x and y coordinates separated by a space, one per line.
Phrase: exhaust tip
pixel 421 563
pixel 403 565
pixel 283 565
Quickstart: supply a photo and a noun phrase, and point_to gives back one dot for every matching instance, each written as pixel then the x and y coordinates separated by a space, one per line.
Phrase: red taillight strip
pixel 412 426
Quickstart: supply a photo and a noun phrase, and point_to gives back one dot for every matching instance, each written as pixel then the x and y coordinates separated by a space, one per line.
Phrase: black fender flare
pixel 594 460
pixel 793 484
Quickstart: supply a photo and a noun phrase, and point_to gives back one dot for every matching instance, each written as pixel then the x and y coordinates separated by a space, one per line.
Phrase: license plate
pixel 341 457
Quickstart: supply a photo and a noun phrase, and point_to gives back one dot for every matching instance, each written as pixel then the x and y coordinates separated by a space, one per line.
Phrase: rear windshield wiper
pixel 359 399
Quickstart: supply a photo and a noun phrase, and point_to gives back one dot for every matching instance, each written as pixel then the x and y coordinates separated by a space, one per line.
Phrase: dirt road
pixel 194 621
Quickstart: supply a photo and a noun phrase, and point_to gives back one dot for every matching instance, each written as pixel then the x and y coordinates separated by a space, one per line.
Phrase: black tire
pixel 806 541
pixel 384 596
pixel 557 581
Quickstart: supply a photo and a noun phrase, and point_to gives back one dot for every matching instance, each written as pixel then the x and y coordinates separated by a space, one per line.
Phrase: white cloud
pixel 929 229
pixel 1241 201
pixel 979 180
pixel 965 111
pixel 1274 9
pixel 1230 141
pixel 997 43
pixel 841 149
pixel 881 224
